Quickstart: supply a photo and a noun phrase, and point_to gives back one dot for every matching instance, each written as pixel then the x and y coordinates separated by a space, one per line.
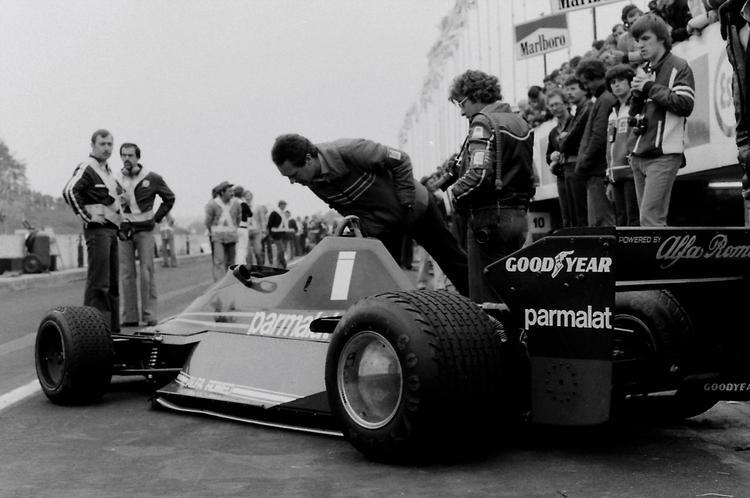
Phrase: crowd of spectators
pixel 259 234
pixel 590 95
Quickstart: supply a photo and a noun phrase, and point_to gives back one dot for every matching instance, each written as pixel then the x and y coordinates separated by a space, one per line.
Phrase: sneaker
pixel 151 323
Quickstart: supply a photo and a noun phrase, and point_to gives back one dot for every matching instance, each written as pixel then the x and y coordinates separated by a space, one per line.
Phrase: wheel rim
pixel 370 379
pixel 51 355
pixel 632 339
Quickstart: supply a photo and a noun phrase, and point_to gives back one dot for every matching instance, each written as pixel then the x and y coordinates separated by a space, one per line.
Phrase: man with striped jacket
pixel 663 95
pixel 142 186
pixel 95 196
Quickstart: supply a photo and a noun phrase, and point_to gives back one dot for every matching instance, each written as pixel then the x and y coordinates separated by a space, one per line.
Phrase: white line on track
pixel 19 394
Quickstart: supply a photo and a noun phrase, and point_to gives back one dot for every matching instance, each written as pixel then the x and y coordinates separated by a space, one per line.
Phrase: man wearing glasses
pixel 495 177
pixel 374 182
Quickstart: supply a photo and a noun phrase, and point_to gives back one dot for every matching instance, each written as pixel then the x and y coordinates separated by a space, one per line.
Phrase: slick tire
pixel 416 373
pixel 652 334
pixel 74 355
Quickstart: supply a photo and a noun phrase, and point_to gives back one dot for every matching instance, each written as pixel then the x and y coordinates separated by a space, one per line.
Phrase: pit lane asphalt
pixel 122 447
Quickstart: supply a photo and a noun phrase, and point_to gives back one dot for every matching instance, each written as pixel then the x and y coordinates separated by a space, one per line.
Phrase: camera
pixel 449 175
pixel 638 123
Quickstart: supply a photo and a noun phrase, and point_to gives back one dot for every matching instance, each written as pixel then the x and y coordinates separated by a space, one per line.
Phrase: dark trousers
pixel 563 199
pixel 575 190
pixel 493 233
pixel 626 203
pixel 431 232
pixel 103 274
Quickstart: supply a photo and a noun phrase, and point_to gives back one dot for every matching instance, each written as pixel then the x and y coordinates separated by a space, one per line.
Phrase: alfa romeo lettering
pixel 579 319
pixel 563 261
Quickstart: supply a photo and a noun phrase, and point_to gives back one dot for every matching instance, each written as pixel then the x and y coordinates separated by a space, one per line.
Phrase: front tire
pixel 415 373
pixel 74 355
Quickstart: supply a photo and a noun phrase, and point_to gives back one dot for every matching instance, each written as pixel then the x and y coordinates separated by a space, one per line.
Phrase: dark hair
pixel 478 86
pixel 626 11
pixel 572 80
pixel 129 145
pixel 591 69
pixel 534 91
pixel 620 71
pixel 598 44
pixel 652 22
pixel 574 62
pixel 293 148
pixel 101 132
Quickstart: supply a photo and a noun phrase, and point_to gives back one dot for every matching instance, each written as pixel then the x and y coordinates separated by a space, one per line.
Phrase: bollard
pixel 187 245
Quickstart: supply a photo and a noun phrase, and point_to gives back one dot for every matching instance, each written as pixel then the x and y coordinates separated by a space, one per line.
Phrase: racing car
pixel 343 343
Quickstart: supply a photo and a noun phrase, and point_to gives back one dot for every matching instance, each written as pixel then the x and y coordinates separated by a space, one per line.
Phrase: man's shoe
pixel 129 324
pixel 151 323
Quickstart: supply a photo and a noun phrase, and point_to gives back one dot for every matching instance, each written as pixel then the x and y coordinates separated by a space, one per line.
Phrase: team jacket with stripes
pixel 367 179
pixel 669 101
pixel 141 190
pixel 479 184
pixel 93 191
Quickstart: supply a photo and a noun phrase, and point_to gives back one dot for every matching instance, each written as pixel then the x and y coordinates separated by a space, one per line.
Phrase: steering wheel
pixel 351 222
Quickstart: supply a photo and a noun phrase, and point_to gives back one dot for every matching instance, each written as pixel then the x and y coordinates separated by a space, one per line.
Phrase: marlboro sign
pixel 541 36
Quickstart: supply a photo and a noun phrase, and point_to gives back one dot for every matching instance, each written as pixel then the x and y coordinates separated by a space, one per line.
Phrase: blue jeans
pixel 493 233
pixel 143 244
pixel 654 178
pixel 601 213
pixel 102 275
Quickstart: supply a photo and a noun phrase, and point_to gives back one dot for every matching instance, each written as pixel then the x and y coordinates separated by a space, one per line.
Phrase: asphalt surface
pixel 124 447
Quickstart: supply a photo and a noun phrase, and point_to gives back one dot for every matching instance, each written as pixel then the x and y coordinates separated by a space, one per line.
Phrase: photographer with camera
pixel 663 95
pixel 142 186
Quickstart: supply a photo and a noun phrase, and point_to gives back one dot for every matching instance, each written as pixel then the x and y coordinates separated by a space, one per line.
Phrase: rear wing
pixel 560 291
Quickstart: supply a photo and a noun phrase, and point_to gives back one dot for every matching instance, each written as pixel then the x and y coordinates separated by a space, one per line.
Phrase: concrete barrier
pixel 20 281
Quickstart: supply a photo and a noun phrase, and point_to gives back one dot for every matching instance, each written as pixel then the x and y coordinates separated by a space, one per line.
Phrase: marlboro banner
pixel 565 6
pixel 541 36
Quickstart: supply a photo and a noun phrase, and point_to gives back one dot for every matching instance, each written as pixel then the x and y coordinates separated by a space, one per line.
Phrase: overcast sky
pixel 204 86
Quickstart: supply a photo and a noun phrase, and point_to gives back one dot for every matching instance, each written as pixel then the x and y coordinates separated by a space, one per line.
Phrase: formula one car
pixel 343 343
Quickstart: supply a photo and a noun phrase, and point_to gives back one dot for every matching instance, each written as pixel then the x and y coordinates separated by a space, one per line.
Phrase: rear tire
pixel 74 355
pixel 415 373
pixel 650 351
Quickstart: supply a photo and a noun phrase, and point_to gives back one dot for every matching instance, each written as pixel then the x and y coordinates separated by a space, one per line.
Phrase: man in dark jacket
pixel 95 196
pixel 142 186
pixel 569 141
pixel 374 182
pixel 495 180
pixel 735 19
pixel 592 154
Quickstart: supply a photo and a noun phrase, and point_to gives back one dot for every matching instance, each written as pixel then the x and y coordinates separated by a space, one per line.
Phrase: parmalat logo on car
pixel 286 325
pixel 562 261
pixel 579 319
